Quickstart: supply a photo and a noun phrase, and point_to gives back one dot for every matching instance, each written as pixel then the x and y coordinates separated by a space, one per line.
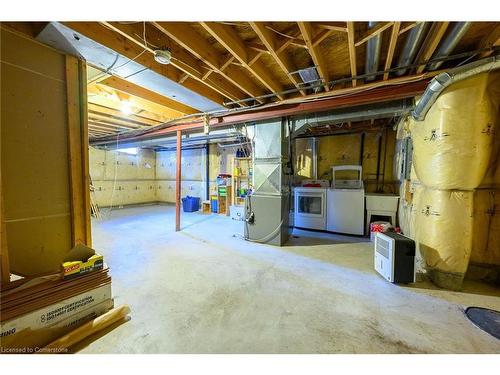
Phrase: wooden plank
pixel 116 120
pixel 125 47
pixel 188 38
pixel 392 48
pixel 74 142
pixel 107 97
pixel 99 109
pixel 379 28
pixel 333 26
pixel 408 27
pixel 282 59
pixel 430 44
pixel 489 41
pixel 322 35
pixel 4 255
pixel 78 154
pixel 96 126
pixel 182 59
pixel 307 33
pixel 95 326
pixel 352 50
pixel 231 41
pixel 85 150
pixel 136 90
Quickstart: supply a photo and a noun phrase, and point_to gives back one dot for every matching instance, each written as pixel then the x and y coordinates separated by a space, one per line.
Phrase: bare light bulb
pixel 126 107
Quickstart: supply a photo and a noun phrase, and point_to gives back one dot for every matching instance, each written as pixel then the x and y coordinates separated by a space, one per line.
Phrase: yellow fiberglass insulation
pixel 443 229
pixel 486 227
pixel 453 145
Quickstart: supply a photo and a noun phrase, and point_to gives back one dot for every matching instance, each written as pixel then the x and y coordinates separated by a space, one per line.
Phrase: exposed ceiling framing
pixel 240 64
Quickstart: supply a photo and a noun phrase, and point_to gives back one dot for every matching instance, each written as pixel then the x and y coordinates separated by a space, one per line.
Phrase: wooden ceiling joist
pixel 322 35
pixel 181 59
pixel 392 47
pixel 115 120
pixel 283 60
pixel 316 55
pixel 137 115
pixel 131 50
pixel 108 97
pixel 187 37
pixel 374 31
pixel 105 127
pixel 352 50
pixel 489 41
pixel 133 89
pixel 149 113
pixel 334 26
pixel 232 42
pixel 99 111
pixel 430 44
pixel 408 27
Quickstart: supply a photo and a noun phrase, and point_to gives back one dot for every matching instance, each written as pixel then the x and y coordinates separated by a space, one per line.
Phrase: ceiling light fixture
pixel 126 107
pixel 163 56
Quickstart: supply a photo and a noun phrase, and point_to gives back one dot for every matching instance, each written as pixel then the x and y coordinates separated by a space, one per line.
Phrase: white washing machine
pixel 346 203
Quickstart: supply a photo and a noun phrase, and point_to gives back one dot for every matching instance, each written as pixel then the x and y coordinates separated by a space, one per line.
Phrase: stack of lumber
pixel 34 312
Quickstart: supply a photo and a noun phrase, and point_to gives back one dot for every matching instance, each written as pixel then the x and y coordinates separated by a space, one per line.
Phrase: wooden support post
pixel 4 255
pixel 78 150
pixel 178 182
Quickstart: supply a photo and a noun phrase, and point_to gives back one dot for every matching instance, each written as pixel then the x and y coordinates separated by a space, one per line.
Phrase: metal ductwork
pixel 372 53
pixel 449 43
pixel 390 109
pixel 413 41
pixel 170 142
pixel 443 80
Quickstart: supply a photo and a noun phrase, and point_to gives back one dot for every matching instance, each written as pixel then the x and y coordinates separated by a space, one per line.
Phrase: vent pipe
pixel 372 53
pixel 449 43
pixel 413 41
pixel 443 80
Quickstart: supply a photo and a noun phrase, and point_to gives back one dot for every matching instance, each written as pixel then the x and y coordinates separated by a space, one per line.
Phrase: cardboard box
pixel 81 260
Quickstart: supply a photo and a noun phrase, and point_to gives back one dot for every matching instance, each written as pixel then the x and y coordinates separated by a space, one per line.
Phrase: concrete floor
pixel 205 290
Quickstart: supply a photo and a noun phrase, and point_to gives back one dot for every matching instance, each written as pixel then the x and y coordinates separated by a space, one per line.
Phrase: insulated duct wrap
pixel 454 144
pixel 405 218
pixel 444 229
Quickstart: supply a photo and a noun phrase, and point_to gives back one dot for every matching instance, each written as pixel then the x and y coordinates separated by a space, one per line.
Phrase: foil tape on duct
pixel 453 145
pixel 443 229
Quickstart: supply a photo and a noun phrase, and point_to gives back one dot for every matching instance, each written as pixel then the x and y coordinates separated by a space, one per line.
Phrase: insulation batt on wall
pixel 458 131
pixel 455 152
pixel 121 179
pixel 486 229
pixel 443 228
pixel 345 149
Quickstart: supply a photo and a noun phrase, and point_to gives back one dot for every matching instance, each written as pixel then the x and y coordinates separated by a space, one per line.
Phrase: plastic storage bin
pixel 214 203
pixel 191 204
